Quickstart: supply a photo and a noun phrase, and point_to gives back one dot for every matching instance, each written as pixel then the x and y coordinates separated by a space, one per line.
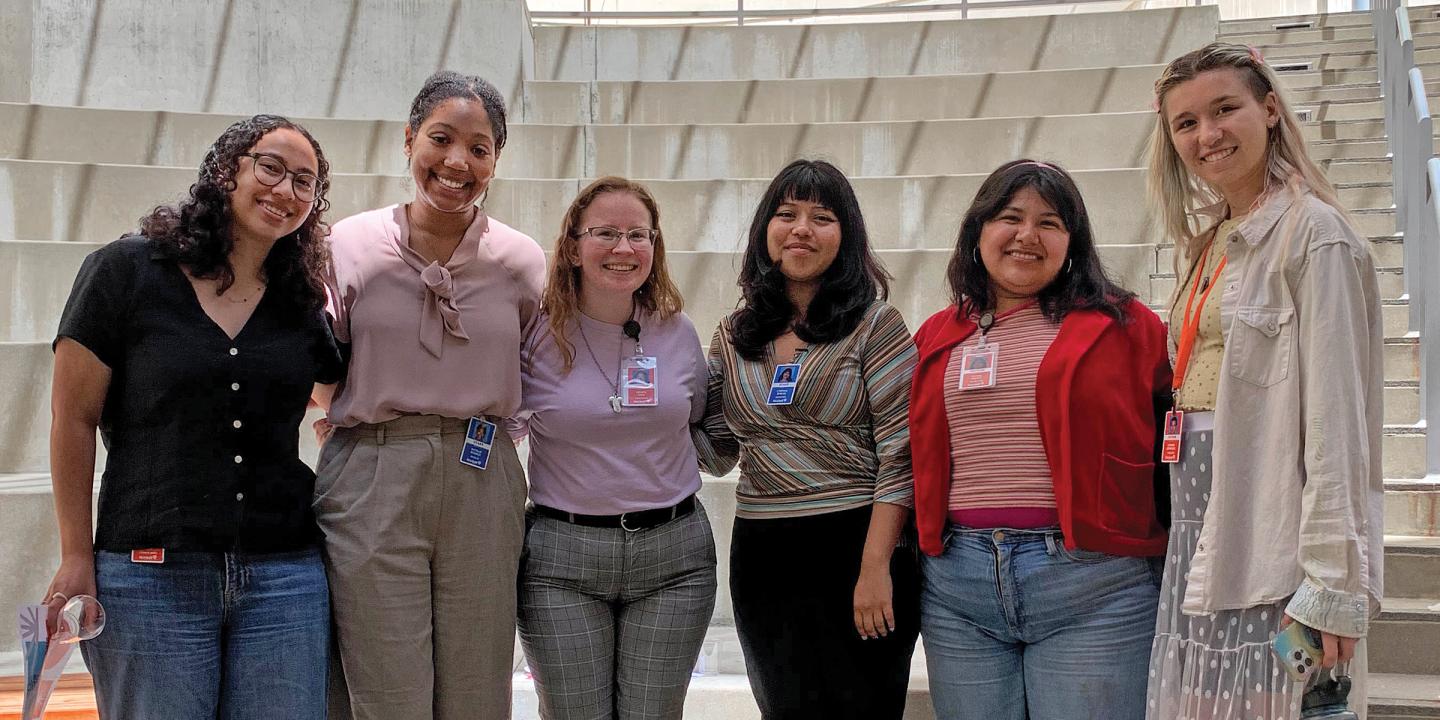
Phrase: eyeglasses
pixel 270 170
pixel 610 237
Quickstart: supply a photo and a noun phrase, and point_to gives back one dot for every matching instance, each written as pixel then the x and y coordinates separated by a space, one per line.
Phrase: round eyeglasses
pixel 610 237
pixel 270 170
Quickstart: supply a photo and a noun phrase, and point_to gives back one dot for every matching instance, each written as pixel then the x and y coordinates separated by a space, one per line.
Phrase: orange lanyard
pixel 1190 326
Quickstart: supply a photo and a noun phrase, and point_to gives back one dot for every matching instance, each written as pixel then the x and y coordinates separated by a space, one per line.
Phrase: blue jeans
pixel 1016 627
pixel 211 635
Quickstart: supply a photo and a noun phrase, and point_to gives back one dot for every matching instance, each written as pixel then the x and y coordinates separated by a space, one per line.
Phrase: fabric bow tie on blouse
pixel 440 316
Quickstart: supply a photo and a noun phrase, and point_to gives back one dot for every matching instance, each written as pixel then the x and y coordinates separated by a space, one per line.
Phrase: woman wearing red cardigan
pixel 1038 492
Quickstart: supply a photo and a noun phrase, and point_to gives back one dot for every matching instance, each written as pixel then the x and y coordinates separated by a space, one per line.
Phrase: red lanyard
pixel 1190 326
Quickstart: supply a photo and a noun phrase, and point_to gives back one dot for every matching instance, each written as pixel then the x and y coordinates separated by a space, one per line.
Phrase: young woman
pixel 1277 489
pixel 825 603
pixel 194 346
pixel 617 584
pixel 423 528
pixel 1033 427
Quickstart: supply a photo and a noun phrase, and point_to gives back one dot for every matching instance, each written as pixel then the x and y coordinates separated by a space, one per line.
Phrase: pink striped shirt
pixel 999 474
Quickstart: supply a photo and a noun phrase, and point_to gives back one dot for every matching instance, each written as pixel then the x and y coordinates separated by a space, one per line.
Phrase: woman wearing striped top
pixel 813 376
pixel 1033 418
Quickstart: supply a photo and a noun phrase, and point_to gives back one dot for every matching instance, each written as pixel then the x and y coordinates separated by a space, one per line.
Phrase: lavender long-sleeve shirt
pixel 586 458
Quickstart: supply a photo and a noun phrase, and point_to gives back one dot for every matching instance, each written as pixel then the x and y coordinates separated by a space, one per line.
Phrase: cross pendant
pixel 615 403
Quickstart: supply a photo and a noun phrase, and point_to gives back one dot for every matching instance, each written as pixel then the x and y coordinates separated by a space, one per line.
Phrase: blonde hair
pixel 1176 196
pixel 561 298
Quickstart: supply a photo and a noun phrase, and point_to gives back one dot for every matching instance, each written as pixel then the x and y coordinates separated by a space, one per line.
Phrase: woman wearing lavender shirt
pixel 617 582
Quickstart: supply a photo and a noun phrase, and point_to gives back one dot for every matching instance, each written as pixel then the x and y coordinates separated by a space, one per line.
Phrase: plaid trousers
pixel 612 621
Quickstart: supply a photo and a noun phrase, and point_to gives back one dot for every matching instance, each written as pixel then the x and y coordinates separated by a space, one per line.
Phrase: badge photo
pixel 641 377
pixel 1170 438
pixel 782 384
pixel 479 438
pixel 977 366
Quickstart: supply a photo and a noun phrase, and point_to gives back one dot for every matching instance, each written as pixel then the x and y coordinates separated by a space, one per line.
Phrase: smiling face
pixel 1220 131
pixel 1023 247
pixel 270 213
pixel 803 238
pixel 619 270
pixel 452 155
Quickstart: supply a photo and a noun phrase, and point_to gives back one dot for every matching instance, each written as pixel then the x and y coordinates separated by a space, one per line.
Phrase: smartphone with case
pixel 1298 649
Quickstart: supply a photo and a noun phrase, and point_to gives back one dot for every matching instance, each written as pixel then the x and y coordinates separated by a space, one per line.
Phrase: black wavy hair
pixel 847 287
pixel 196 232
pixel 1082 282
pixel 446 84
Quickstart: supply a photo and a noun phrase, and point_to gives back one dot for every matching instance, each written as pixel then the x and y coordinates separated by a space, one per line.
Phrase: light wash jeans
pixel 211 636
pixel 1016 627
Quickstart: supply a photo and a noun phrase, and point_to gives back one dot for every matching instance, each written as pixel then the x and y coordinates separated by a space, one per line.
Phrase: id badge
pixel 978 366
pixel 1170 438
pixel 641 378
pixel 782 384
pixel 479 438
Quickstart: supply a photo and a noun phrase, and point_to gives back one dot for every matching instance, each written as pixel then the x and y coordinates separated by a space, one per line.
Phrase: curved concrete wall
pixel 348 58
pixel 902 48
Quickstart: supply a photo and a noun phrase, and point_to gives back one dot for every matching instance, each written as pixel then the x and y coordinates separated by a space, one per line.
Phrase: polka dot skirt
pixel 1218 666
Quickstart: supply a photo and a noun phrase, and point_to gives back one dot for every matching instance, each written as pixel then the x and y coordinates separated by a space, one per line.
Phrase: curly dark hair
pixel 847 287
pixel 446 84
pixel 196 232
pixel 1082 283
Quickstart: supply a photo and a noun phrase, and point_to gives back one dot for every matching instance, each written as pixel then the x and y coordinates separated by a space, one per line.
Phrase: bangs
pixel 808 184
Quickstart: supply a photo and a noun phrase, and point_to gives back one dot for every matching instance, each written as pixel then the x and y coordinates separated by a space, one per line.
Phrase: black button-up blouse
pixel 202 430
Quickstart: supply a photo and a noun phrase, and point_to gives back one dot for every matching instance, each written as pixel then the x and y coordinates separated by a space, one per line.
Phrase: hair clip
pixel 1255 55
pixel 1155 104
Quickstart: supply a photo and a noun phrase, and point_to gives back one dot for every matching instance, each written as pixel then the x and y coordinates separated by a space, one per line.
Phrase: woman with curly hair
pixel 826 606
pixel 420 497
pixel 194 346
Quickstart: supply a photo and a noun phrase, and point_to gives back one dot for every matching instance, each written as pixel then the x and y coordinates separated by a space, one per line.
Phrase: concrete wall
pixel 15 55
pixel 914 48
pixel 347 58
pixel 926 97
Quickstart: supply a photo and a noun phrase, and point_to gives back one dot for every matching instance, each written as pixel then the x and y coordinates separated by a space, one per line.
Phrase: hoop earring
pixel 975 254
pixel 483 197
pixel 1069 265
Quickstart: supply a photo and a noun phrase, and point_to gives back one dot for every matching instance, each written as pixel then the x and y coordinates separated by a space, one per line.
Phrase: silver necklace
pixel 619 357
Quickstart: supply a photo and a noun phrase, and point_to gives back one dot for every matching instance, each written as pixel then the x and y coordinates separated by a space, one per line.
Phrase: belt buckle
pixel 623 518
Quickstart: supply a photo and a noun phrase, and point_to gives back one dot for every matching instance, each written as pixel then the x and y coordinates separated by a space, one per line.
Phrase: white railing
pixel 1429 354
pixel 740 15
pixel 1415 173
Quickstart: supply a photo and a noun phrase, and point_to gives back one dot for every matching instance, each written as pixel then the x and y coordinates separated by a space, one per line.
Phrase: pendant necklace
pixel 615 383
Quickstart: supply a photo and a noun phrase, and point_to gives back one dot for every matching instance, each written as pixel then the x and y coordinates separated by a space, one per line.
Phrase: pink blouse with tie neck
pixel 428 338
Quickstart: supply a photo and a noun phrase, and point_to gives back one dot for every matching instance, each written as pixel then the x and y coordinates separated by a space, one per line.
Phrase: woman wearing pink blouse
pixel 423 523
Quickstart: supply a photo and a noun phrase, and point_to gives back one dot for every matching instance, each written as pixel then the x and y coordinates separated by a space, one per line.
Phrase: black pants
pixel 792 581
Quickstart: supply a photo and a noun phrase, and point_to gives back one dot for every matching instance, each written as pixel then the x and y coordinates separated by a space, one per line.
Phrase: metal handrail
pixel 1429 355
pixel 740 15
pixel 1415 172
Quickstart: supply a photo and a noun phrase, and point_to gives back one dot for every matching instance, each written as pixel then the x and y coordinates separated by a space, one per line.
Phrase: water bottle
pixel 1328 699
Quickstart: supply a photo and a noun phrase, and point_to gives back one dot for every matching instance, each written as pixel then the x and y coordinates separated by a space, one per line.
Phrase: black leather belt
pixel 630 522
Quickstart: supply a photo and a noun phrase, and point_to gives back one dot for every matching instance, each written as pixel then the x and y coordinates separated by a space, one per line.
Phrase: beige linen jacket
pixel 1297 499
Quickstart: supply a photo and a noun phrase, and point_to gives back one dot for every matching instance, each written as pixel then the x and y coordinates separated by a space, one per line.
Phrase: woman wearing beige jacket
pixel 1276 485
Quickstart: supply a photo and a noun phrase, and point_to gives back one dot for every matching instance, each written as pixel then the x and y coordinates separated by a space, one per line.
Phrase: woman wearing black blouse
pixel 193 347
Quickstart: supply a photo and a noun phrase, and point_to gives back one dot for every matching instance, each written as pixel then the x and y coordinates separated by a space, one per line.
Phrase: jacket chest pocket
pixel 1261 343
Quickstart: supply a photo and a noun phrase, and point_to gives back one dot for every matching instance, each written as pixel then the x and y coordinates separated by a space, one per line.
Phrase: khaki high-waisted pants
pixel 422 556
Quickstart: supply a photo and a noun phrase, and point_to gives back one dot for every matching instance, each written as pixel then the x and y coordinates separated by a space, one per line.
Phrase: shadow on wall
pixel 325 58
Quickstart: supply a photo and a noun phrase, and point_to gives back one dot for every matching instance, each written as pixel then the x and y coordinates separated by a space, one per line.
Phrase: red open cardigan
pixel 1101 394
